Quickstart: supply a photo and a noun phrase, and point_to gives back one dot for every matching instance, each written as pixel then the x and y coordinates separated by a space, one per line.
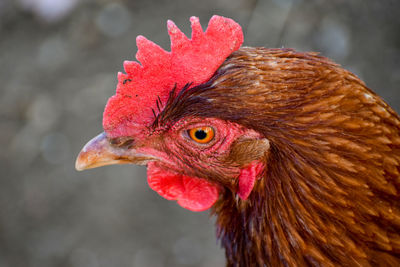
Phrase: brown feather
pixel 330 194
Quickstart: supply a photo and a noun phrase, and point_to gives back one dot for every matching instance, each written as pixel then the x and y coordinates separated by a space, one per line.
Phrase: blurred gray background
pixel 58 65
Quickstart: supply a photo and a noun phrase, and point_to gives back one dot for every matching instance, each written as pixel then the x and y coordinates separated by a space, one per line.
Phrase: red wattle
pixel 192 193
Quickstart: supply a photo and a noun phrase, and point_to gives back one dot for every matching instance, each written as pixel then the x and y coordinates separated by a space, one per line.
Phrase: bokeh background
pixel 58 65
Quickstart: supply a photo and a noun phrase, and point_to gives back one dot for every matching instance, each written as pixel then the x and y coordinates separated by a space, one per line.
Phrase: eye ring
pixel 202 135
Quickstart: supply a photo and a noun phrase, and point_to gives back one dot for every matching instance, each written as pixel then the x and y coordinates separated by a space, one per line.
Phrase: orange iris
pixel 202 135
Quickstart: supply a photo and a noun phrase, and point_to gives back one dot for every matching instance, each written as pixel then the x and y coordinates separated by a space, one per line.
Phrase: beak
pixel 99 152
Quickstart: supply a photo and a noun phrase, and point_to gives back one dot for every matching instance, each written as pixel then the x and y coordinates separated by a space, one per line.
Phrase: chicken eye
pixel 201 135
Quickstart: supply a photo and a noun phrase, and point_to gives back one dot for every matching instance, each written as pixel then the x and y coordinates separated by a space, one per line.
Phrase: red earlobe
pixel 247 178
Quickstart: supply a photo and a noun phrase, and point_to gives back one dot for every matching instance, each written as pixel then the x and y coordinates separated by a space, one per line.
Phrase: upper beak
pixel 99 152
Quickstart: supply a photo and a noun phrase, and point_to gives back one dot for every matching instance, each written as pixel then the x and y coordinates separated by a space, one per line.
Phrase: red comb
pixel 190 61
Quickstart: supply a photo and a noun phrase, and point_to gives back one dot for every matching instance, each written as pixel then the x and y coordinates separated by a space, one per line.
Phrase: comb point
pixel 177 37
pixel 131 67
pixel 197 30
pixel 149 53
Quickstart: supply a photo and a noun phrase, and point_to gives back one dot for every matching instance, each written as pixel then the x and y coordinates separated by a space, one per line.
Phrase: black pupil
pixel 200 134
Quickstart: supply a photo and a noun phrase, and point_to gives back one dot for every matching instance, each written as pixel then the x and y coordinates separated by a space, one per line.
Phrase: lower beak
pixel 99 152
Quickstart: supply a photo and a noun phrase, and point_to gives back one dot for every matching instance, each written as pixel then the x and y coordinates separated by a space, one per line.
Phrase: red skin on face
pixel 174 180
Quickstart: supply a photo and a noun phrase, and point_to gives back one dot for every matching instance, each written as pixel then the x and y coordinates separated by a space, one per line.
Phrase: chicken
pixel 295 156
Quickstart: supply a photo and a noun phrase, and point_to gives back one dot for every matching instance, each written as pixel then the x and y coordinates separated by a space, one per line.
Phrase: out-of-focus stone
pixel 53 53
pixel 83 258
pixel 187 251
pixel 88 103
pixel 49 10
pixel 113 20
pixel 149 257
pixel 43 112
pixel 333 38
pixel 55 148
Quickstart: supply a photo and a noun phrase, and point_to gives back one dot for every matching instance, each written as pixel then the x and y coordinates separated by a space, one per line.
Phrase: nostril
pixel 128 143
pixel 122 142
